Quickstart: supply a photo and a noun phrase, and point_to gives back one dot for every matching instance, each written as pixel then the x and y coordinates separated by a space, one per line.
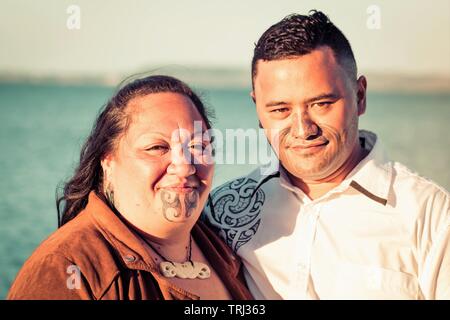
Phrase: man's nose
pixel 303 127
pixel 181 162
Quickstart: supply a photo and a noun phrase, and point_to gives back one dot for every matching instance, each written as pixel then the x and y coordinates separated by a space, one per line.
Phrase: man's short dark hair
pixel 297 35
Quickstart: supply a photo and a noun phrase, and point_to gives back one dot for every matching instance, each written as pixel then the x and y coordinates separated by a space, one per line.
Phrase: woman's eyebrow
pixel 161 134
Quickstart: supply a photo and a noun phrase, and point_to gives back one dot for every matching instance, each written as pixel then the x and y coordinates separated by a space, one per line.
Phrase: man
pixel 337 220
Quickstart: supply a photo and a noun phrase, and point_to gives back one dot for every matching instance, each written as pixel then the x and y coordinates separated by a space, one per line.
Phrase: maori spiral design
pixel 237 206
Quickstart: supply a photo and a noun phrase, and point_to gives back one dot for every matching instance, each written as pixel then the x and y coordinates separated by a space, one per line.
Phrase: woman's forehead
pixel 163 113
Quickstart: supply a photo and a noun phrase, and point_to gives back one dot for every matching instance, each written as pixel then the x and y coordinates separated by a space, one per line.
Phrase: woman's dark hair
pixel 110 124
pixel 297 35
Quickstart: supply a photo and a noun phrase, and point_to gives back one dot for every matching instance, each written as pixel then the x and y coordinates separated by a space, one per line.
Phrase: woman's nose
pixel 181 170
pixel 181 162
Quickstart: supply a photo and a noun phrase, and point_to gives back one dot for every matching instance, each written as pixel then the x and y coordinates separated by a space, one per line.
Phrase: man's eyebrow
pixel 332 96
pixel 323 96
pixel 276 103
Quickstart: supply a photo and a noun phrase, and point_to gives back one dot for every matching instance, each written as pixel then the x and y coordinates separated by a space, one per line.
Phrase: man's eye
pixel 279 110
pixel 324 104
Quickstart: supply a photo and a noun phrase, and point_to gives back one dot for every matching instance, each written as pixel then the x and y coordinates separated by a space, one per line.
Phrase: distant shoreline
pixel 233 78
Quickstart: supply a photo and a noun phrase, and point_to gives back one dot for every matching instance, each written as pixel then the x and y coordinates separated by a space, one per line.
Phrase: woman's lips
pixel 180 189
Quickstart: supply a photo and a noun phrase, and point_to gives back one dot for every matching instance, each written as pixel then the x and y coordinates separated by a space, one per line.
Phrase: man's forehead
pixel 323 55
pixel 286 75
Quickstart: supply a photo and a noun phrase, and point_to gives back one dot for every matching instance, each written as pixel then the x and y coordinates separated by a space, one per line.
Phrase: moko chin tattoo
pixel 190 203
pixel 174 209
pixel 171 205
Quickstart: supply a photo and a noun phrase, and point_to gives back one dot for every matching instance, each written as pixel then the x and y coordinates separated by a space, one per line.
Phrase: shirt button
pixel 130 258
pixel 301 268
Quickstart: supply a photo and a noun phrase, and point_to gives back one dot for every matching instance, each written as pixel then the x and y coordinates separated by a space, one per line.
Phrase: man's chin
pixel 309 173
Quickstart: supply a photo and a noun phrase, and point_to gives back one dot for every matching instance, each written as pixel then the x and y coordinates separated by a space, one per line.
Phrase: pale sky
pixel 131 36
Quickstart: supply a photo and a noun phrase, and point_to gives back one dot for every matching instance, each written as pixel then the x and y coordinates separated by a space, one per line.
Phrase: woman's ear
pixel 107 167
pixel 106 162
pixel 108 189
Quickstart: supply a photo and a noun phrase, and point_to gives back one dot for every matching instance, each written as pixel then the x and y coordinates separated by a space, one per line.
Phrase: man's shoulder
pixel 410 182
pixel 243 184
pixel 234 208
pixel 421 197
pixel 236 194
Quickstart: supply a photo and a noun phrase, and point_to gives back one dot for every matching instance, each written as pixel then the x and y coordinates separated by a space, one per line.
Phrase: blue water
pixel 43 126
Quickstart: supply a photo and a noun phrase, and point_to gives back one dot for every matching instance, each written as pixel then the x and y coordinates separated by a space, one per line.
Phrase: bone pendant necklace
pixel 185 270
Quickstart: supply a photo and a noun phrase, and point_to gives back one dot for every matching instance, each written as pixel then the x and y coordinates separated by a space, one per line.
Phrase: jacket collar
pixel 133 251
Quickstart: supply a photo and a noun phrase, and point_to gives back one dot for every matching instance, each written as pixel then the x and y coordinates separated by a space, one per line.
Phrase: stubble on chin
pixel 320 165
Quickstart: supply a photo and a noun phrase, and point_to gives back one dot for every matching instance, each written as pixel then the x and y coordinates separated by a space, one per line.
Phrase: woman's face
pixel 161 171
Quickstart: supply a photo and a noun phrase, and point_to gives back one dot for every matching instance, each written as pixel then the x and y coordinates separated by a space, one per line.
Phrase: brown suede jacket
pixel 96 256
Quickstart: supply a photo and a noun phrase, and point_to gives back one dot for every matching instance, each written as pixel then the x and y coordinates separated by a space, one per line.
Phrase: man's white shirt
pixel 383 233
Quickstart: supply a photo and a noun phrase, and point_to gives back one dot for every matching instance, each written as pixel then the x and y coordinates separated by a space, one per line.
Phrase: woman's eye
pixel 157 149
pixel 198 146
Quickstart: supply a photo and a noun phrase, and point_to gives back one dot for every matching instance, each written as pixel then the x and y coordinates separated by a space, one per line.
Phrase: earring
pixel 109 193
pixel 108 190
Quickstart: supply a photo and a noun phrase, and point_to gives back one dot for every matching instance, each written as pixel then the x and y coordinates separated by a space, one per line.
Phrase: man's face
pixel 313 106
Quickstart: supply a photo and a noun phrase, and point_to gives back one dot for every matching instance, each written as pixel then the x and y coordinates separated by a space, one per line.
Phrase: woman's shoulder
pixel 75 240
pixel 69 257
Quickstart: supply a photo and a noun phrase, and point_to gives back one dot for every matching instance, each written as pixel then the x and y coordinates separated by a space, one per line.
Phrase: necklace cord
pixel 189 253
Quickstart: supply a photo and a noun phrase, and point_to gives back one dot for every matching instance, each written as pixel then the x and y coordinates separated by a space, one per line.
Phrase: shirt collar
pixel 372 176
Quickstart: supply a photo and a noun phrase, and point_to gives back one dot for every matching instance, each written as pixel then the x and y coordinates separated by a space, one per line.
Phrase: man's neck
pixel 316 188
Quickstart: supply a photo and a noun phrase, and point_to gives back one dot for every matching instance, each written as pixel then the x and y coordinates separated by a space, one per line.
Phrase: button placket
pixel 307 229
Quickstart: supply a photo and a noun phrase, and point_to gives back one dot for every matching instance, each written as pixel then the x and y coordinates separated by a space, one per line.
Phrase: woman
pixel 128 228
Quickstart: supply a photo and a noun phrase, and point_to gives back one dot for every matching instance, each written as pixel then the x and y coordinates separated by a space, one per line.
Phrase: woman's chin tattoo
pixel 190 203
pixel 172 207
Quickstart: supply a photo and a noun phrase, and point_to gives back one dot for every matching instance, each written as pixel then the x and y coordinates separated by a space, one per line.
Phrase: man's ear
pixel 361 94
pixel 252 94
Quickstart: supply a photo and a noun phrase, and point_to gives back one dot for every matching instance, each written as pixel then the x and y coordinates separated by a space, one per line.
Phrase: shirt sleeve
pixel 435 275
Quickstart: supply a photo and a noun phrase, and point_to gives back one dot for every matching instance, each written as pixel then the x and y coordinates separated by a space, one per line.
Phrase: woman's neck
pixel 172 243
pixel 175 250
